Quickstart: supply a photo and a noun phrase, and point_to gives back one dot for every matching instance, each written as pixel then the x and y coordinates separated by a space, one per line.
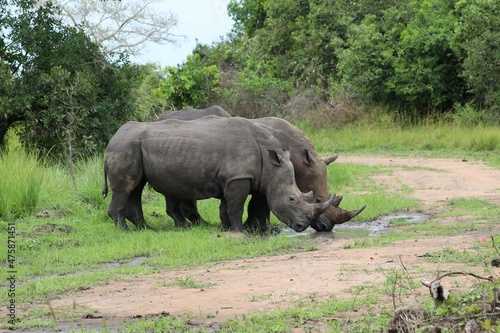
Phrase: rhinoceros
pixel 310 172
pixel 310 175
pixel 225 158
pixel 190 113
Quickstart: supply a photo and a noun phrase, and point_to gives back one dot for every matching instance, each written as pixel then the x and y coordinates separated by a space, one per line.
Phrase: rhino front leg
pixel 258 213
pixel 235 194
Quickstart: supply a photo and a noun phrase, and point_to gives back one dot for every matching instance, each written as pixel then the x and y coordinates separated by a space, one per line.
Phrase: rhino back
pixel 185 157
pixel 289 136
pixel 192 114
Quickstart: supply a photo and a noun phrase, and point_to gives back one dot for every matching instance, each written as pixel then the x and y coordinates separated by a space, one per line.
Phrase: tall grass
pixel 90 178
pixel 29 184
pixel 21 183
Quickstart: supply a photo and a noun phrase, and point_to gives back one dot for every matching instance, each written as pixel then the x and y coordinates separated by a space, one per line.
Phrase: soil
pixel 239 287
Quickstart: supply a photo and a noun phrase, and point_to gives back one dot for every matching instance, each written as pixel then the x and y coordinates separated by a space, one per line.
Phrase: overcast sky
pixel 205 20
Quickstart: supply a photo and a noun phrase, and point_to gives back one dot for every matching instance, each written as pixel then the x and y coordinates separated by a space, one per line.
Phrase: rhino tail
pixel 105 188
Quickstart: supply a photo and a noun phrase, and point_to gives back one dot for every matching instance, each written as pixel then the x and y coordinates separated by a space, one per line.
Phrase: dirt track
pixel 244 286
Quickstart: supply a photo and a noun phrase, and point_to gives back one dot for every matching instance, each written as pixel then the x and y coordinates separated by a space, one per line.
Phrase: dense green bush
pixel 414 57
pixel 191 84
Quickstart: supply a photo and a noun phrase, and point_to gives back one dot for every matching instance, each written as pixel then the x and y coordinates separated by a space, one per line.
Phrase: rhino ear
pixel 275 158
pixel 330 159
pixel 308 158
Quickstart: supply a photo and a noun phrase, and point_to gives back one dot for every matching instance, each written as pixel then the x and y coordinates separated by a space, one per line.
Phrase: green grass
pixel 430 140
pixel 65 240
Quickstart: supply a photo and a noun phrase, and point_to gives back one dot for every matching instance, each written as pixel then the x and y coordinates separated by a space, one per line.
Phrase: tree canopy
pixel 413 56
pixel 56 83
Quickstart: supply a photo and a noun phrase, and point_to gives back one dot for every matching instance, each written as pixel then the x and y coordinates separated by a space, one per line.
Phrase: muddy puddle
pixel 350 230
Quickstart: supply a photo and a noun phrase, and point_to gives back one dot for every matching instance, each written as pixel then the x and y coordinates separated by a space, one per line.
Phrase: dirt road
pixel 243 286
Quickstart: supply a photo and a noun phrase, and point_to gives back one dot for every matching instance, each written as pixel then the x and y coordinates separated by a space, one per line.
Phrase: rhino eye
pixel 292 198
pixel 319 199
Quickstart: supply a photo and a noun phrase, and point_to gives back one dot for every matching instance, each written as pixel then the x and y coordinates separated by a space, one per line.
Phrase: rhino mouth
pixel 299 227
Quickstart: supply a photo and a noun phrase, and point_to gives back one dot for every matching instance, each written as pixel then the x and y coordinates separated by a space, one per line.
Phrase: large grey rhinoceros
pixel 225 158
pixel 310 175
pixel 190 113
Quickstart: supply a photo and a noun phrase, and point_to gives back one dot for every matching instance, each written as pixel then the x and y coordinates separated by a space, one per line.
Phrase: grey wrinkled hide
pixel 225 158
pixel 191 114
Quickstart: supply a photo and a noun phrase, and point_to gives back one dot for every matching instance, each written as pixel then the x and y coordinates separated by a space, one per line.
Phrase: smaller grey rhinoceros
pixel 225 158
pixel 191 114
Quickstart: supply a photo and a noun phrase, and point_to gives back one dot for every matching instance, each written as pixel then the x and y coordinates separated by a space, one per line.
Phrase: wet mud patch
pixel 353 229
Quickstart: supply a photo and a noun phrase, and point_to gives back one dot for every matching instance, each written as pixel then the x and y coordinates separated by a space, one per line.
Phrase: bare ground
pixel 244 286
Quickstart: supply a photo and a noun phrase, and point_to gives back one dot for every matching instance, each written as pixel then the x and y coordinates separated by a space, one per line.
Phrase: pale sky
pixel 205 20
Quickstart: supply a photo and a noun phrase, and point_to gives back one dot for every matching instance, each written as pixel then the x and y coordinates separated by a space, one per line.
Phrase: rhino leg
pixel 235 194
pixel 258 214
pixel 134 207
pixel 225 224
pixel 117 208
pixel 190 212
pixel 174 211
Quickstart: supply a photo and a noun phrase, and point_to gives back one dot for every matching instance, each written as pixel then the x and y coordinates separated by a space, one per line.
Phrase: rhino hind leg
pixel 117 209
pixel 175 212
pixel 190 212
pixel 225 224
pixel 134 211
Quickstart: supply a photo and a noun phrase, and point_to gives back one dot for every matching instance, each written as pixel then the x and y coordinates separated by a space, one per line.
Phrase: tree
pixel 248 15
pixel 192 84
pixel 59 90
pixel 404 58
pixel 120 26
pixel 477 41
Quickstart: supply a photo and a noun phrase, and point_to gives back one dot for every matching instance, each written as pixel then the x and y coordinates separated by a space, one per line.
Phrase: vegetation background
pixel 330 62
pixel 406 77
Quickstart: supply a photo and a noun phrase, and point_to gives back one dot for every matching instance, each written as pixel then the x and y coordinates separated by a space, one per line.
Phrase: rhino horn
pixel 332 217
pixel 337 201
pixel 309 196
pixel 321 207
pixel 330 159
pixel 354 213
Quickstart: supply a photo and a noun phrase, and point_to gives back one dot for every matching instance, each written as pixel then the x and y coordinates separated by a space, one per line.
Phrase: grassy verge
pixel 430 140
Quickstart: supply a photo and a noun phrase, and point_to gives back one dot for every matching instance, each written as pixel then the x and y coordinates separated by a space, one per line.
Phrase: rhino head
pixel 311 175
pixel 292 207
